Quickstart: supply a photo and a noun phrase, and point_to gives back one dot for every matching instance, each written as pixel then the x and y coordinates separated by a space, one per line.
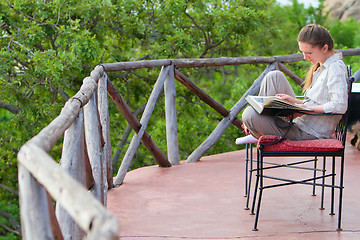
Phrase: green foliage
pixel 48 47
pixel 345 33
pixel 173 29
pixel 8 204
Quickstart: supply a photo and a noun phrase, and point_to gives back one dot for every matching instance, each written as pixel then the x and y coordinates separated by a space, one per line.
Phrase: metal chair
pixel 275 146
pixel 249 169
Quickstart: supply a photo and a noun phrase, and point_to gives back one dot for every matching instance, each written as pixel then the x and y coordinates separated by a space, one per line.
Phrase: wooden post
pixel 125 164
pixel 103 106
pixel 204 97
pixel 159 157
pixel 35 224
pixel 92 136
pixel 223 125
pixel 171 122
pixel 73 162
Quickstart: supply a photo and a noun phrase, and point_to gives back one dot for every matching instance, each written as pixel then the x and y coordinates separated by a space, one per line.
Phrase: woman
pixel 325 88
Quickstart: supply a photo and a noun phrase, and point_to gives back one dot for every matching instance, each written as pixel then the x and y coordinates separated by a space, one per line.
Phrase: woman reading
pixel 325 91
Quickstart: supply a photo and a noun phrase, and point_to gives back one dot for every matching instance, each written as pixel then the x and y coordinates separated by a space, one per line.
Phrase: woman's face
pixel 314 54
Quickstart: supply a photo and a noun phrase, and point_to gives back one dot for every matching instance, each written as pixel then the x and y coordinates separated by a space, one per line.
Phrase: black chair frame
pixel 313 181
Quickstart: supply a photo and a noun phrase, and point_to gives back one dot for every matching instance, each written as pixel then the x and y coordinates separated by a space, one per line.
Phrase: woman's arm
pixel 316 109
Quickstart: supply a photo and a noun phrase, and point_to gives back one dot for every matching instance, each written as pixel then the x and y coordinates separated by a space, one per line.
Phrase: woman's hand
pixel 289 98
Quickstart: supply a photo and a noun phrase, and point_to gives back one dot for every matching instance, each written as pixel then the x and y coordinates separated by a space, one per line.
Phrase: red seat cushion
pixel 318 145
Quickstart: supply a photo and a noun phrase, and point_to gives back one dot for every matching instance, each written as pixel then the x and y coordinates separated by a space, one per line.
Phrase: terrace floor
pixel 205 200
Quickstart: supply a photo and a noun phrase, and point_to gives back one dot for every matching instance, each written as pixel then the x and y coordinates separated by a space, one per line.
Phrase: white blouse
pixel 329 88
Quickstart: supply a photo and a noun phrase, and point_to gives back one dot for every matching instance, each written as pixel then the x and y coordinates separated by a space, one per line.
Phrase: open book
pixel 272 104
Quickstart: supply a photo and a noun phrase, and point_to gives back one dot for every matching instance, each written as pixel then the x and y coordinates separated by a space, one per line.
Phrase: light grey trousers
pixel 274 82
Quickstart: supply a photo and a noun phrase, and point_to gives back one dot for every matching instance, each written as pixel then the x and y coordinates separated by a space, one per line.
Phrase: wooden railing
pixel 79 184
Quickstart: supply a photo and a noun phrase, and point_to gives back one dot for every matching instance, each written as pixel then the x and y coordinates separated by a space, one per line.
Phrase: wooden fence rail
pixel 80 182
pixel 41 177
pixel 212 62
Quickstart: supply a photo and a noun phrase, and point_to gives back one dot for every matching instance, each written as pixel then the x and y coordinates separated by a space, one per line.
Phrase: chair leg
pixel 340 210
pixel 323 185
pixel 333 187
pixel 341 192
pixel 256 185
pixel 246 169
pixel 248 184
pixel 258 210
pixel 261 188
pixel 315 166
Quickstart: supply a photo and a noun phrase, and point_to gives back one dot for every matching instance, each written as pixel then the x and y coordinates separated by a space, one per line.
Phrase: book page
pixel 262 99
pixel 282 104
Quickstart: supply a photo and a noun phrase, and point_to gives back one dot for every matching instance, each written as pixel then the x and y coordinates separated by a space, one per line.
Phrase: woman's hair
pixel 317 36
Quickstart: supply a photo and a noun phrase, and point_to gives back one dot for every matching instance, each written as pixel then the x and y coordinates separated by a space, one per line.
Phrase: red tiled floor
pixel 205 200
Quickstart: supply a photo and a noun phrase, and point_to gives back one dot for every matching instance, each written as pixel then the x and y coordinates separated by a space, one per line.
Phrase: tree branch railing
pixel 79 184
pixel 212 62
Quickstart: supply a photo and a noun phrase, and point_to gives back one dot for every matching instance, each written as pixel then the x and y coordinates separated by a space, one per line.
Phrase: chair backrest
pixel 342 126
